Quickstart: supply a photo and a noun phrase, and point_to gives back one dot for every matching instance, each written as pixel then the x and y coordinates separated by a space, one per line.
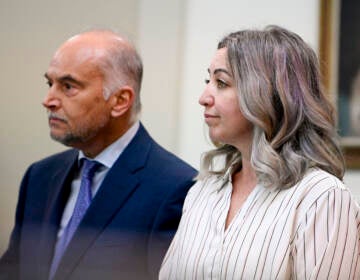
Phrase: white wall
pixel 206 23
pixel 352 181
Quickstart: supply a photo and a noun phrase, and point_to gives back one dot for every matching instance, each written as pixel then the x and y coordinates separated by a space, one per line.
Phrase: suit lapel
pixel 58 194
pixel 118 185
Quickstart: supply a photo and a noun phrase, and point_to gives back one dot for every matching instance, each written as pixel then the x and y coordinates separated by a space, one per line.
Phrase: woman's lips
pixel 210 118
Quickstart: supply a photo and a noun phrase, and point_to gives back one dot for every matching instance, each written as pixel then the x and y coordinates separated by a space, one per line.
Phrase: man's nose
pixel 51 100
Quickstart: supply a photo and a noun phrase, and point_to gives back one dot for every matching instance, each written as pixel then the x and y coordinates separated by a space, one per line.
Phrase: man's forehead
pixel 89 46
pixel 77 55
pixel 78 63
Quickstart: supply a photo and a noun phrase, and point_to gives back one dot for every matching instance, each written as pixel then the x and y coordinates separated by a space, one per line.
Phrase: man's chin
pixel 65 140
pixel 68 139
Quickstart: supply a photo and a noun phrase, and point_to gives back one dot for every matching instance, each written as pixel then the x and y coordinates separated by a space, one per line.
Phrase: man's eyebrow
pixel 69 78
pixel 65 78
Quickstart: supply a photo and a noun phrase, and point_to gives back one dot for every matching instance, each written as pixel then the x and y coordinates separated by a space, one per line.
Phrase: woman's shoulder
pixel 318 185
pixel 316 178
pixel 204 187
pixel 207 184
pixel 317 182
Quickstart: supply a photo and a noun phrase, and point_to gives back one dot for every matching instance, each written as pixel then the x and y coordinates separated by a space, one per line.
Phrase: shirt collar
pixel 111 153
pixel 226 178
pixel 229 172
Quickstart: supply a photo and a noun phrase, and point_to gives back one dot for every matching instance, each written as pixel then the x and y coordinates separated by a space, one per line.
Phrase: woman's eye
pixel 207 81
pixel 221 84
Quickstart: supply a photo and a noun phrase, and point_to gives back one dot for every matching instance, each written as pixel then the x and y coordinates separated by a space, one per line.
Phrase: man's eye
pixel 67 86
pixel 49 83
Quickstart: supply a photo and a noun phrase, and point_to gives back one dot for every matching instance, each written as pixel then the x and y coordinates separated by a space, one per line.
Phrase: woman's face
pixel 222 112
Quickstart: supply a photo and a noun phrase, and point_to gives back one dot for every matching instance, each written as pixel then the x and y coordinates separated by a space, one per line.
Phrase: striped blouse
pixel 309 231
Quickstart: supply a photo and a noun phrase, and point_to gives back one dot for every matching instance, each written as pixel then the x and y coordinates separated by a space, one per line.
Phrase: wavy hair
pixel 280 93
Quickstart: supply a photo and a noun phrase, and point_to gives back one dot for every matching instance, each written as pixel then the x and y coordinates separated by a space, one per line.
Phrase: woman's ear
pixel 122 101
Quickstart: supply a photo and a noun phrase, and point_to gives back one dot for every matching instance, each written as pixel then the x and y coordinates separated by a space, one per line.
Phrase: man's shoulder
pixel 61 158
pixel 160 156
pixel 166 169
pixel 168 159
pixel 45 170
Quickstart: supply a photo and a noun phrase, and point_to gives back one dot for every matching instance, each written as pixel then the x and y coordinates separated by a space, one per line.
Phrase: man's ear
pixel 122 101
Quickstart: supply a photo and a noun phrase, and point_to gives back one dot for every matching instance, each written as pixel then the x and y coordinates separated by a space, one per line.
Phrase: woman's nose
pixel 206 98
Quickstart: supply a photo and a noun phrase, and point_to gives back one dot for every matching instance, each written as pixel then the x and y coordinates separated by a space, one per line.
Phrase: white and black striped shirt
pixel 309 231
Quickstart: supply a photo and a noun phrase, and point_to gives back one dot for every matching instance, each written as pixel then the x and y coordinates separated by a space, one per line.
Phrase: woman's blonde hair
pixel 280 93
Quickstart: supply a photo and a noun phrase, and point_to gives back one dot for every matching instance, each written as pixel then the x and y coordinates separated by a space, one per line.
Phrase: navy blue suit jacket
pixel 126 230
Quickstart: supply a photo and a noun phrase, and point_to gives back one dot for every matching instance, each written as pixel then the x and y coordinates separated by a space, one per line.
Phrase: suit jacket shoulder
pixel 127 228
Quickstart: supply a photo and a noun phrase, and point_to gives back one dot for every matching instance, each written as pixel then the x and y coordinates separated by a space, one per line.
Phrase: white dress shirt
pixel 107 158
pixel 309 231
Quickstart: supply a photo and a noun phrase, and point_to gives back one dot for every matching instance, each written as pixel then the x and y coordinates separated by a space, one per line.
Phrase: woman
pixel 269 202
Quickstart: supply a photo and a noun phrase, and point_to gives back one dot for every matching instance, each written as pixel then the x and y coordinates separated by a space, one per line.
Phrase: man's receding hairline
pixel 107 35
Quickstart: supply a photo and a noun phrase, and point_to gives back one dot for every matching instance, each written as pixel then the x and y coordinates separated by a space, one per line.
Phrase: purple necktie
pixel 82 203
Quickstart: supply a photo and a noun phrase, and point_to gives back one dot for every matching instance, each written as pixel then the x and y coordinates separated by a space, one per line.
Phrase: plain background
pixel 176 40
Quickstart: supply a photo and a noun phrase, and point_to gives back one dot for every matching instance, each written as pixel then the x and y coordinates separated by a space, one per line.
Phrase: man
pixel 117 222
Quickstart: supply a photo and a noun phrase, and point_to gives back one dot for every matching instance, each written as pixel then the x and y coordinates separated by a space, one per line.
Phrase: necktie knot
pixel 89 168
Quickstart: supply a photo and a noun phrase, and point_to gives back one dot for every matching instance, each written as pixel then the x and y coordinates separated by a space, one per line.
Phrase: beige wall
pixel 206 22
pixel 160 31
pixel 30 32
pixel 176 39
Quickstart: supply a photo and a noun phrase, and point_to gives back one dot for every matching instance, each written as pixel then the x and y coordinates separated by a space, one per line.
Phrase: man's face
pixel 79 116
